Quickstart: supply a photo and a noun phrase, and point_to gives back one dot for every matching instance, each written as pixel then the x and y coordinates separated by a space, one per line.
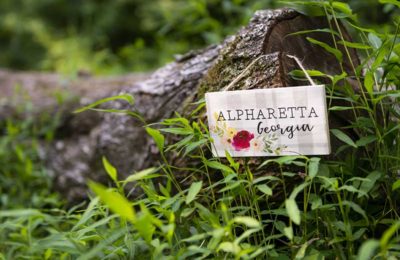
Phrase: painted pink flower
pixel 242 140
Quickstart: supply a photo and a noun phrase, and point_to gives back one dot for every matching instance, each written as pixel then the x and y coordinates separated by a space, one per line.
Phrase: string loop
pixel 241 75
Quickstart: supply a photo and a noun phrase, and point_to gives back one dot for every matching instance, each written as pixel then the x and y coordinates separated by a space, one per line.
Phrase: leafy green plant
pixel 24 181
pixel 333 206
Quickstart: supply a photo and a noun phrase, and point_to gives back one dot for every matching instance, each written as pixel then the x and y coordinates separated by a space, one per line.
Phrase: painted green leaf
pixel 193 191
pixel 293 211
pixel 343 137
pixel 115 201
pixel 110 169
pixel 158 138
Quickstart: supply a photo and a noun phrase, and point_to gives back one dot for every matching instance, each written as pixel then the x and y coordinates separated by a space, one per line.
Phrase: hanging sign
pixel 269 122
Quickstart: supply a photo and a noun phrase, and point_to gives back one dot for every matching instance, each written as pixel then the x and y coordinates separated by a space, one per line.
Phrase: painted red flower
pixel 242 140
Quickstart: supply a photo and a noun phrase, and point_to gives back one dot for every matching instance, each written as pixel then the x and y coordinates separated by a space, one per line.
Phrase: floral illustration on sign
pixel 243 140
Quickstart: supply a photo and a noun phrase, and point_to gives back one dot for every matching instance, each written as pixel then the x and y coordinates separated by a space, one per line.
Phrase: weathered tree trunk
pixel 76 154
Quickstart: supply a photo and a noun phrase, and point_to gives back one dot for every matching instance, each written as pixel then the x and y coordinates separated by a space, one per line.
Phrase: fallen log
pixel 265 43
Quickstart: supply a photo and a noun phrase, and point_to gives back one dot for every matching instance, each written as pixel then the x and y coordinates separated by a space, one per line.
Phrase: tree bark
pixel 83 139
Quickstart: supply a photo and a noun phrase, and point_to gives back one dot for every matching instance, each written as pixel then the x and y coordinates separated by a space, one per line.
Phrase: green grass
pixel 310 208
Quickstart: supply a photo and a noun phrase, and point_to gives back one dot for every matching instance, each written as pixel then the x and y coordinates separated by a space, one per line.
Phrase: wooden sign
pixel 269 122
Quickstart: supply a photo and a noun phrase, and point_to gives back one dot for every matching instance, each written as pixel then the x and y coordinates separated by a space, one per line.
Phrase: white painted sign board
pixel 269 122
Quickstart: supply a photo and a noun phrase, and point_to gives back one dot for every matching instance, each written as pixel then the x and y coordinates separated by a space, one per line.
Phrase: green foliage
pixel 24 181
pixel 108 37
pixel 281 208
pixel 114 200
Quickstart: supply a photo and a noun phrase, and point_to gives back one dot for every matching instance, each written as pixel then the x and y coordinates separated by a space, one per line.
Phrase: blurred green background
pixel 119 36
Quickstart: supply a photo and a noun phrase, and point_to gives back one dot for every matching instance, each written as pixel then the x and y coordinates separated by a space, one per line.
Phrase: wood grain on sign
pixel 269 122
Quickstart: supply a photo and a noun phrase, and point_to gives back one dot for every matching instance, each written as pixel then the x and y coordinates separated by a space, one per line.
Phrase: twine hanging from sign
pixel 241 75
pixel 302 68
